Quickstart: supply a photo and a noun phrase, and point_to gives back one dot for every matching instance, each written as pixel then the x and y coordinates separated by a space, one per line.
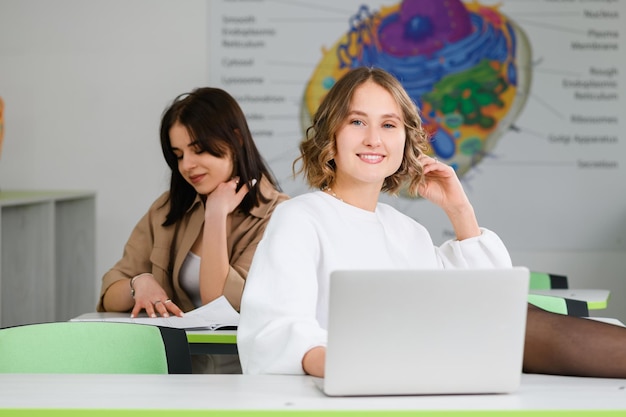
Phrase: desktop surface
pixel 238 395
pixel 595 299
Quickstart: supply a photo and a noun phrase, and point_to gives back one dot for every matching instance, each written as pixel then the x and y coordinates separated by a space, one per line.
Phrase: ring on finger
pixel 167 301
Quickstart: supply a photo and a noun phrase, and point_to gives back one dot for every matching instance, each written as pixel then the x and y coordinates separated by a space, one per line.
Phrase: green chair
pixel 547 281
pixel 560 305
pixel 94 347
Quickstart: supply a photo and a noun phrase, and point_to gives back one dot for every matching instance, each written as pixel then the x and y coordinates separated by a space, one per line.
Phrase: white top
pixel 285 300
pixel 190 278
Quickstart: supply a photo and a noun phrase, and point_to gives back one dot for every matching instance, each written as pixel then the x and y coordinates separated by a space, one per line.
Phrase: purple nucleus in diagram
pixel 465 65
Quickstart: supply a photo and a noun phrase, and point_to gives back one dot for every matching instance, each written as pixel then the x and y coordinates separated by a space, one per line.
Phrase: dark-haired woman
pixel 197 240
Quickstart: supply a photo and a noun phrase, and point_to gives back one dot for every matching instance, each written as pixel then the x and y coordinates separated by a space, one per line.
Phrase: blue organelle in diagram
pixel 466 66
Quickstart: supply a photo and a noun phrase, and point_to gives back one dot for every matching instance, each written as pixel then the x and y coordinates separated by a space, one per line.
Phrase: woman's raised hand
pixel 441 186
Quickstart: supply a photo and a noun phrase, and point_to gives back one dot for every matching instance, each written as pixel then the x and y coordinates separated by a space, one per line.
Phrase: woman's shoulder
pixel 270 192
pixel 298 215
pixel 272 196
pixel 301 205
pixel 387 210
pixel 156 214
pixel 162 199
pixel 302 201
pixel 161 203
pixel 388 213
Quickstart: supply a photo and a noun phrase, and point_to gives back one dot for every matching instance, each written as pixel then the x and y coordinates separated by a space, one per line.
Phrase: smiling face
pixel 370 141
pixel 199 168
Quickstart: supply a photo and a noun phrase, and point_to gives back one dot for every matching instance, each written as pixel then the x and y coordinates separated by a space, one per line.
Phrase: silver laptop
pixel 415 332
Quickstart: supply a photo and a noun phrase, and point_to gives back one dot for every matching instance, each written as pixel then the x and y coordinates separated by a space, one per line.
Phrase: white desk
pixel 237 395
pixel 595 299
pixel 214 342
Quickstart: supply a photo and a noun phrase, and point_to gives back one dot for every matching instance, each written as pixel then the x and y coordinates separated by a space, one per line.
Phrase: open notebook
pixel 216 315
pixel 425 331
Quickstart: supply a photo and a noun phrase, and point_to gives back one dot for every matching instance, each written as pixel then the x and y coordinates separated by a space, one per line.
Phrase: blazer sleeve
pixel 139 254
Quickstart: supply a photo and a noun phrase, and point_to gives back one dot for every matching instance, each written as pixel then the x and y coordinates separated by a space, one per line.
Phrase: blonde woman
pixel 367 138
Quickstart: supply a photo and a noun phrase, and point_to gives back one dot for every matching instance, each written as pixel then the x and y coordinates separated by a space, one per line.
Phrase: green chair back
pixel 547 281
pixel 93 347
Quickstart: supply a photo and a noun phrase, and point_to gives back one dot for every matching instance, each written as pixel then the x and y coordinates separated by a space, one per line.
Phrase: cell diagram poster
pixel 521 97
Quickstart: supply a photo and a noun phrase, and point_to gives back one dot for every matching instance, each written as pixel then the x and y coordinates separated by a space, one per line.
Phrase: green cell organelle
pixel 467 93
pixel 471 146
pixel 453 120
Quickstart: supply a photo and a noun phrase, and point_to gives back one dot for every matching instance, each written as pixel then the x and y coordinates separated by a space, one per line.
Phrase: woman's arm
pixel 314 361
pixel 136 262
pixel 442 187
pixel 278 323
pixel 215 263
pixel 118 296
pixel 115 294
pixel 473 247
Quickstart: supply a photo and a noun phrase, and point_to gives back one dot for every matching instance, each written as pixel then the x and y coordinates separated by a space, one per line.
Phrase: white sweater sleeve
pixel 278 322
pixel 484 251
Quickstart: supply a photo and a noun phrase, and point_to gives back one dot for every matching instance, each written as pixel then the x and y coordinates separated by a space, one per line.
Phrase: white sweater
pixel 285 300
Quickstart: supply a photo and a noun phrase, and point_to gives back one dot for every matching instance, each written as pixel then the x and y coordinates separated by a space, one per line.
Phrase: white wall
pixel 84 84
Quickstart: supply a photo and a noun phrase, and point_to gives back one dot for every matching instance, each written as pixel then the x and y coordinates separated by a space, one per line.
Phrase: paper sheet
pixel 213 316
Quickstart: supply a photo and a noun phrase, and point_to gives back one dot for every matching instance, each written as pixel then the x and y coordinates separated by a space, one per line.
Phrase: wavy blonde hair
pixel 318 148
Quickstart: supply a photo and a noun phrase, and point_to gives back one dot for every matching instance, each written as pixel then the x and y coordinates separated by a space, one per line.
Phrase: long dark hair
pixel 217 124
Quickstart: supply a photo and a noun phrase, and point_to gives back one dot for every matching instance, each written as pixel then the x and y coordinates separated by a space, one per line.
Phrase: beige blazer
pixel 162 250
